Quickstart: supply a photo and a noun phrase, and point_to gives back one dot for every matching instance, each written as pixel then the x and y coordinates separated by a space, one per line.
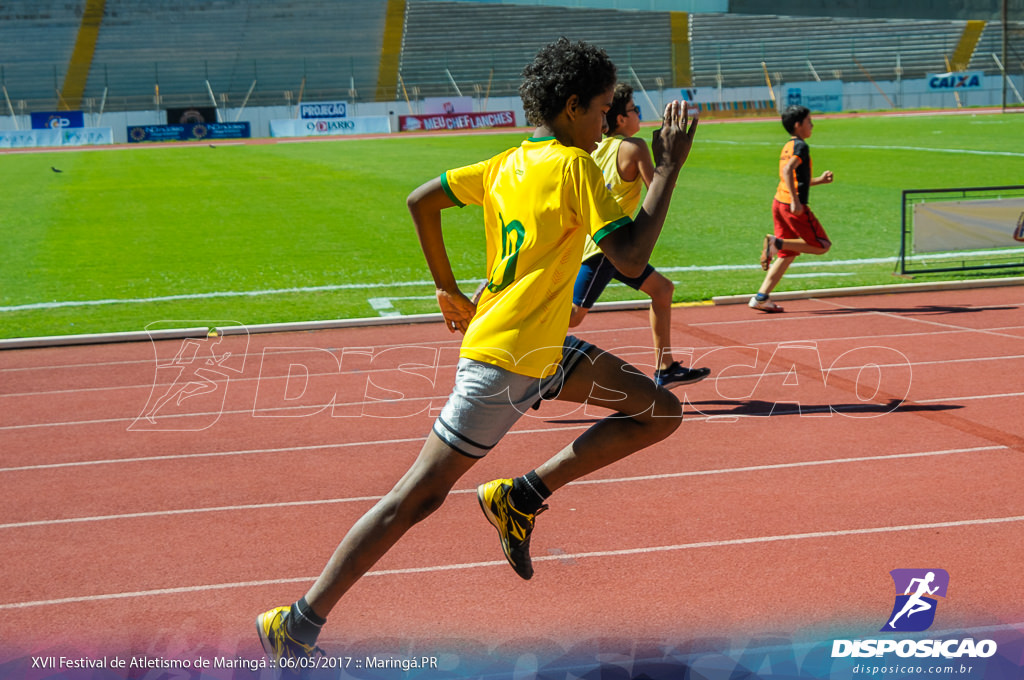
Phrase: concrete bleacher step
pixel 327 47
pixel 829 44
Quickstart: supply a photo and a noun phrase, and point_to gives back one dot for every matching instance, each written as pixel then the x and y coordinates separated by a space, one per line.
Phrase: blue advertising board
pixel 189 132
pixel 825 96
pixel 955 82
pixel 56 120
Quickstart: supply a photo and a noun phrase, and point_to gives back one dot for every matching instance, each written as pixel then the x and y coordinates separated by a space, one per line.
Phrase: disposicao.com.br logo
pixel 914 611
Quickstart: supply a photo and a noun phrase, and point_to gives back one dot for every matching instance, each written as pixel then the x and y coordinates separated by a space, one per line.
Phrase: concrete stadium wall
pixel 857 96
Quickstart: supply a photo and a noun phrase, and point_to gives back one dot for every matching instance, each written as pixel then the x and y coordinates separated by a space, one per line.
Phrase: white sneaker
pixel 765 305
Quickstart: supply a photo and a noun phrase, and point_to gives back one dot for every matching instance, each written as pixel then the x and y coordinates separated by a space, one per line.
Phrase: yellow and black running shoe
pixel 285 650
pixel 514 527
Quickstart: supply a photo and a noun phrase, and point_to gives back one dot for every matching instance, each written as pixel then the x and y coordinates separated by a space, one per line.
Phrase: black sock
pixel 761 297
pixel 528 493
pixel 303 623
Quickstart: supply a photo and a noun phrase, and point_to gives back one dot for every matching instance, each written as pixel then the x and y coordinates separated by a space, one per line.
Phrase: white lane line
pixel 442 344
pixel 929 321
pixel 282 411
pixel 246 452
pixel 584 482
pixel 626 552
pixel 640 351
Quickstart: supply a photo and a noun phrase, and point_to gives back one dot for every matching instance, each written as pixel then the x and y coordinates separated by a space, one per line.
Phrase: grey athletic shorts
pixel 487 400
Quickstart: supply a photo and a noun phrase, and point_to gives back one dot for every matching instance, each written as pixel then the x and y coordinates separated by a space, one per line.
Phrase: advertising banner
pixel 189 132
pixel 823 97
pixel 192 114
pixel 433 106
pixel 314 110
pixel 457 121
pixel 28 139
pixel 55 120
pixel 86 136
pixel 969 80
pixel 968 225
pixel 324 127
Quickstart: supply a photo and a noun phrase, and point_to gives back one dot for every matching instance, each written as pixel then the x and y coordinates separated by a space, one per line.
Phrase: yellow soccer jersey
pixel 626 193
pixel 540 200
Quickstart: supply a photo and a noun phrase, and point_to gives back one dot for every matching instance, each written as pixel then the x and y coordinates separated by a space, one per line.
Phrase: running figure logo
pixel 191 380
pixel 914 610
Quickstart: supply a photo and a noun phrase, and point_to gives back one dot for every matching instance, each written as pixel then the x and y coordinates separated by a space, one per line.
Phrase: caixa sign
pixel 970 80
pixel 57 120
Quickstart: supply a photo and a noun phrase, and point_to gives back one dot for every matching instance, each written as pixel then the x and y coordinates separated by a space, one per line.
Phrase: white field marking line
pixel 832 263
pixel 299 350
pixel 969 152
pixel 214 294
pixel 385 306
pixel 468 285
pixel 281 411
pixel 616 480
pixel 625 552
pixel 877 147
pixel 816 275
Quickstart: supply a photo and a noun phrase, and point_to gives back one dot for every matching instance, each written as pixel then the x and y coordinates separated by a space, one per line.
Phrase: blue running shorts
pixel 594 276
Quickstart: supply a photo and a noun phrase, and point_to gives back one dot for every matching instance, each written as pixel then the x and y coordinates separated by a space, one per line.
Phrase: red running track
pixel 834 443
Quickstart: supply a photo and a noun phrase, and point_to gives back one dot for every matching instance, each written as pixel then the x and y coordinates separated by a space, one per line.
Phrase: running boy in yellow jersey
pixel 626 163
pixel 539 201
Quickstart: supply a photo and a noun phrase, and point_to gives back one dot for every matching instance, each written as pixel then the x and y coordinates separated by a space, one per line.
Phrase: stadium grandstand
pixel 131 55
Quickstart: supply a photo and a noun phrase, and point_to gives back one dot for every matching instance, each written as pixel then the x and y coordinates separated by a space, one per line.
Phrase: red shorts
pixel 804 226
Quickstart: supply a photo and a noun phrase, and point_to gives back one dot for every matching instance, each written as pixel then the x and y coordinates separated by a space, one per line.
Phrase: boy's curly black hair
pixel 560 70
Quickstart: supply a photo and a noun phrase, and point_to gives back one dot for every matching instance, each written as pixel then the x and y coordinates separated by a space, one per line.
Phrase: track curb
pixel 300 326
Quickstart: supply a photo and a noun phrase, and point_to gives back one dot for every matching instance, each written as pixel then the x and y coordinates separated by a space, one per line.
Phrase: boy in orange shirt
pixel 797 230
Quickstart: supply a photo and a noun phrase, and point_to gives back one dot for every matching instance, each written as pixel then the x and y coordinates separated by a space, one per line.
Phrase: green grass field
pixel 265 233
